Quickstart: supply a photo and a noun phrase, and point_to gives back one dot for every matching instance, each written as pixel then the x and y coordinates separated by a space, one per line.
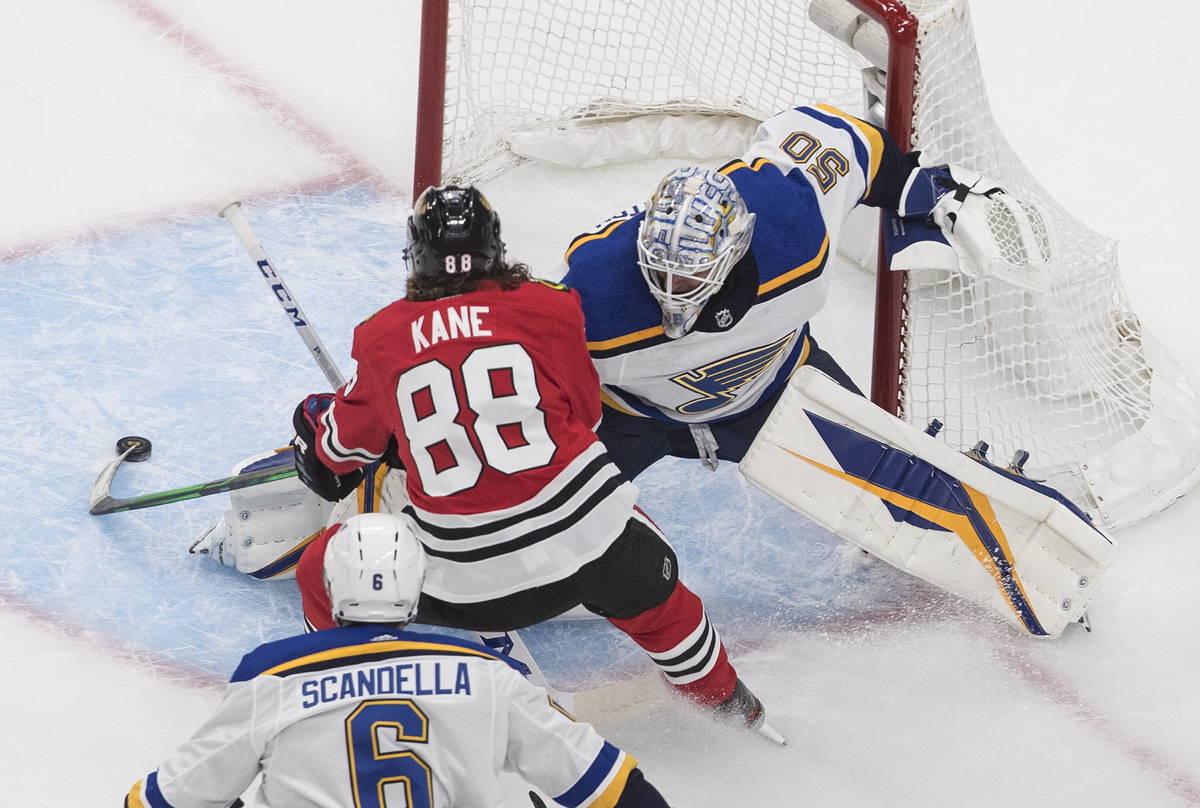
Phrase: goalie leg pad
pixel 266 527
pixel 977 531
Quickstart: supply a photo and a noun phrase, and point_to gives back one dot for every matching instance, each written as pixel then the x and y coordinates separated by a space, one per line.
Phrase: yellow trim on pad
pixel 134 798
pixel 959 524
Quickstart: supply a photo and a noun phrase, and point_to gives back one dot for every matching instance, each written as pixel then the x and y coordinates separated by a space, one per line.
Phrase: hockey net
pixel 1070 375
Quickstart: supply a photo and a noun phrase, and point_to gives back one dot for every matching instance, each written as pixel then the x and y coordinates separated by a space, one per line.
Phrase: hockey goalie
pixel 696 309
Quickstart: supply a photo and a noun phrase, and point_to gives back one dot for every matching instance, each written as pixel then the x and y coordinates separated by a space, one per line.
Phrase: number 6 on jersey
pixel 509 429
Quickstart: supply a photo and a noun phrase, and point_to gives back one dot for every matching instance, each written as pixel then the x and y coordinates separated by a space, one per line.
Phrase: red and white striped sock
pixel 684 645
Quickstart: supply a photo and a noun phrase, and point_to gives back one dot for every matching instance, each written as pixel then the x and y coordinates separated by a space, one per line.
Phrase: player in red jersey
pixel 478 385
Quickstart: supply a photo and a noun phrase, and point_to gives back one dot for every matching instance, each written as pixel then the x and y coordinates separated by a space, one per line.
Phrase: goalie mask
pixel 453 231
pixel 374 569
pixel 696 228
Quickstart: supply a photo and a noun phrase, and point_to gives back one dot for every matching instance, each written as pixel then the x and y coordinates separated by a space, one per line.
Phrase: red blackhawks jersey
pixel 492 400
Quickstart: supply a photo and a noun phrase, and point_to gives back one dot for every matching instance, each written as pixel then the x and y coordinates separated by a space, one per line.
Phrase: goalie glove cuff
pixel 319 478
pixel 937 186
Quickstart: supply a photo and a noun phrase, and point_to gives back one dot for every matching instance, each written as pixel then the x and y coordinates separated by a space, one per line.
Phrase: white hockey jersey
pixel 804 172
pixel 367 716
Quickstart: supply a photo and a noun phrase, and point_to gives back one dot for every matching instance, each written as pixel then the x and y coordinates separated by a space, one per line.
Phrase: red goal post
pixel 1070 375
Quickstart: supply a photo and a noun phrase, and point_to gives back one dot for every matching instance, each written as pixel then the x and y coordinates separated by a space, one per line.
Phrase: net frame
pixel 912 317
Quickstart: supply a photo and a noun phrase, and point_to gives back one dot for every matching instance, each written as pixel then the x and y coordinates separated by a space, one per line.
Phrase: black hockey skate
pixel 744 708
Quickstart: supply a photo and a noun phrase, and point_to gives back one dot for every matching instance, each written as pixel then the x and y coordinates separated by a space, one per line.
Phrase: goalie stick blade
pixel 102 502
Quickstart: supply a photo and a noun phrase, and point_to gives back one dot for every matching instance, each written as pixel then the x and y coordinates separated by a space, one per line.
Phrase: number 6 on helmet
pixel 374 569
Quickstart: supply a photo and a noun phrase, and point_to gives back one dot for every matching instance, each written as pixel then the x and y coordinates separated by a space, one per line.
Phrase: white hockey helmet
pixel 374 569
pixel 696 228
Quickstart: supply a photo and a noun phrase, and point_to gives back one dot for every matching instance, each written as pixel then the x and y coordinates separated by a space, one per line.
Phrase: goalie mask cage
pixel 1070 375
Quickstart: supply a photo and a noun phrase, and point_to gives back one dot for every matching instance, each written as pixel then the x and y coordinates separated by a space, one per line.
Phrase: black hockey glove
pixel 312 472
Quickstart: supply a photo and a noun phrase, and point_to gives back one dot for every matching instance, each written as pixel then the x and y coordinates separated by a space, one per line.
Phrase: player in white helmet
pixel 695 230
pixel 371 714
pixel 374 569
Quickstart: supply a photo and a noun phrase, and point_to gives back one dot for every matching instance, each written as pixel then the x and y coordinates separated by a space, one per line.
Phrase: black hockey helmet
pixel 453 231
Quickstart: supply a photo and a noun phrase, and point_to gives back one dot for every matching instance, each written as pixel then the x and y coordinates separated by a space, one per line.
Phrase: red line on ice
pixel 1061 692
pixel 176 672
pixel 287 115
pixel 350 169
pixel 18 251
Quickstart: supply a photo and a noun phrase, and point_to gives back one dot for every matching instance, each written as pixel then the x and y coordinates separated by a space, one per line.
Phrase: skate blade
pixel 770 733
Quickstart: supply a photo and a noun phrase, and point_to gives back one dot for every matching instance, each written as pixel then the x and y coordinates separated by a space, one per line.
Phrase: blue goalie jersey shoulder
pixel 791 239
pixel 350 645
pixel 603 269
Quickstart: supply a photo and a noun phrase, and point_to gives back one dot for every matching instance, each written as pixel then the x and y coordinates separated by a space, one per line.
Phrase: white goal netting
pixel 1070 375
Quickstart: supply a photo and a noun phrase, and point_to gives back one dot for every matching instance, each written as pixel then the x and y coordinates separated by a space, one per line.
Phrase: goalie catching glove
pixel 315 474
pixel 991 233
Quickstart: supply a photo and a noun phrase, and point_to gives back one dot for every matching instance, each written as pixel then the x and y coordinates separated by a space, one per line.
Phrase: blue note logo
pixel 718 383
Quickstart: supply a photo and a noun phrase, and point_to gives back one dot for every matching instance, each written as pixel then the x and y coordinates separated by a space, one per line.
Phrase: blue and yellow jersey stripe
pixel 146 794
pixel 604 232
pixel 734 165
pixel 625 340
pixel 791 242
pixel 353 654
pixel 604 781
pixel 352 645
pixel 796 276
pixel 610 400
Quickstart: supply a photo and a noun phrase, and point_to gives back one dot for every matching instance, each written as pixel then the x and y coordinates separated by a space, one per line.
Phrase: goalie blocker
pixel 986 534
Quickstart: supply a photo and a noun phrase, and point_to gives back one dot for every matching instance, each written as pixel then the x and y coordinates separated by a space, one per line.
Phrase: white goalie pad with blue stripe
pixel 984 533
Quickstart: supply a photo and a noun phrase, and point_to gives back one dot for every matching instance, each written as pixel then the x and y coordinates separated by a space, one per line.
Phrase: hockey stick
pixel 231 211
pixel 103 502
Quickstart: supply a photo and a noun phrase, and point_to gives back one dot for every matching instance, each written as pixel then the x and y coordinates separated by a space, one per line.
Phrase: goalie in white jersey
pixel 697 313
pixel 368 715
pixel 697 308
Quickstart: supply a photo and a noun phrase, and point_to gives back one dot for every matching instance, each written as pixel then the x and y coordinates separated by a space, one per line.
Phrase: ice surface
pixel 130 308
